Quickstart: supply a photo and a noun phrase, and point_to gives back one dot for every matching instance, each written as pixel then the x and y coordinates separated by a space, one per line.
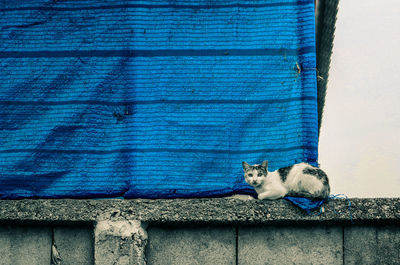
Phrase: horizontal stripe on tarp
pixel 156 53
pixel 154 150
pixel 175 6
pixel 149 102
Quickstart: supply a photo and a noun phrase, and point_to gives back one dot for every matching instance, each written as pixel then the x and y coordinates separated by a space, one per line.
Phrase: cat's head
pixel 255 175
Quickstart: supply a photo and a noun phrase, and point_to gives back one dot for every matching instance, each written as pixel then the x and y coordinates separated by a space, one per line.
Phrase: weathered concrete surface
pixel 75 245
pixel 290 245
pixel 214 211
pixel 25 245
pixel 372 245
pixel 120 242
pixel 190 246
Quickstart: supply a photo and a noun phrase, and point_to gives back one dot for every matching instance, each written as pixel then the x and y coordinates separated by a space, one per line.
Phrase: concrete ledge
pixel 210 211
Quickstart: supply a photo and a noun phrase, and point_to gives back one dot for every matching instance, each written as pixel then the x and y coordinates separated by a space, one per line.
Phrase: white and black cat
pixel 300 179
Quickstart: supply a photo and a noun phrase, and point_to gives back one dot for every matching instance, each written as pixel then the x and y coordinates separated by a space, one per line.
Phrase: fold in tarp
pixel 152 99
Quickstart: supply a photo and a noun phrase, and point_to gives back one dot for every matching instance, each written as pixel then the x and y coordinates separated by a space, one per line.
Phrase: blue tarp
pixel 306 204
pixel 152 99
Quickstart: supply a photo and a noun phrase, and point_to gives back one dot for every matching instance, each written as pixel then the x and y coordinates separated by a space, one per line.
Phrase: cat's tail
pixel 322 195
pixel 302 194
pixel 326 191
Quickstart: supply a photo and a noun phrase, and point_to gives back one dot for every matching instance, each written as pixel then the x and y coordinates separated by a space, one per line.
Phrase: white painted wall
pixel 360 134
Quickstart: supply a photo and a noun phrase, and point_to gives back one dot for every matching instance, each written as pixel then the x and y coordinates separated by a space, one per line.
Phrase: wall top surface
pixel 211 210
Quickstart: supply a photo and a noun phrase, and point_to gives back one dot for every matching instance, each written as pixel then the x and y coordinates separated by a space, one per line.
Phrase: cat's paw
pixel 263 196
pixel 241 197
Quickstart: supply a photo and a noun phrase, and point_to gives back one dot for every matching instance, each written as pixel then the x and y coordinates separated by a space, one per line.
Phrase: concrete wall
pixel 198 231
pixel 32 245
pixel 262 245
pixel 246 245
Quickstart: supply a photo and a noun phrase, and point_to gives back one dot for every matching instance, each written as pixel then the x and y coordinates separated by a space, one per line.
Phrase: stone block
pixel 198 245
pixel 119 243
pixel 75 245
pixel 290 245
pixel 372 244
pixel 25 245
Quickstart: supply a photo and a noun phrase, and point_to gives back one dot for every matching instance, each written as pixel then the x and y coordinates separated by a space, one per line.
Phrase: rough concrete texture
pixel 25 245
pixel 372 245
pixel 74 244
pixel 290 245
pixel 215 211
pixel 190 246
pixel 120 242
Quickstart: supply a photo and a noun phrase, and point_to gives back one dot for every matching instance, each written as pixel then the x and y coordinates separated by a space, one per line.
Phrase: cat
pixel 299 180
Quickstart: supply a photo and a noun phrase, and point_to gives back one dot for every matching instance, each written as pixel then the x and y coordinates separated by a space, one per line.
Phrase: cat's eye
pixel 259 174
pixel 250 175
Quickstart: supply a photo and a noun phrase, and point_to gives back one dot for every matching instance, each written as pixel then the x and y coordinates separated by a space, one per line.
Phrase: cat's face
pixel 255 175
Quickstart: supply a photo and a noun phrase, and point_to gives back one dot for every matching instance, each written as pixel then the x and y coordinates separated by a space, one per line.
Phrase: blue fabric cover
pixel 306 204
pixel 152 99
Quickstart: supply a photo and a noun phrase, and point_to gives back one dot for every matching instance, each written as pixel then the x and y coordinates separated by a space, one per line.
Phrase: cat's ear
pixel 265 165
pixel 245 166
